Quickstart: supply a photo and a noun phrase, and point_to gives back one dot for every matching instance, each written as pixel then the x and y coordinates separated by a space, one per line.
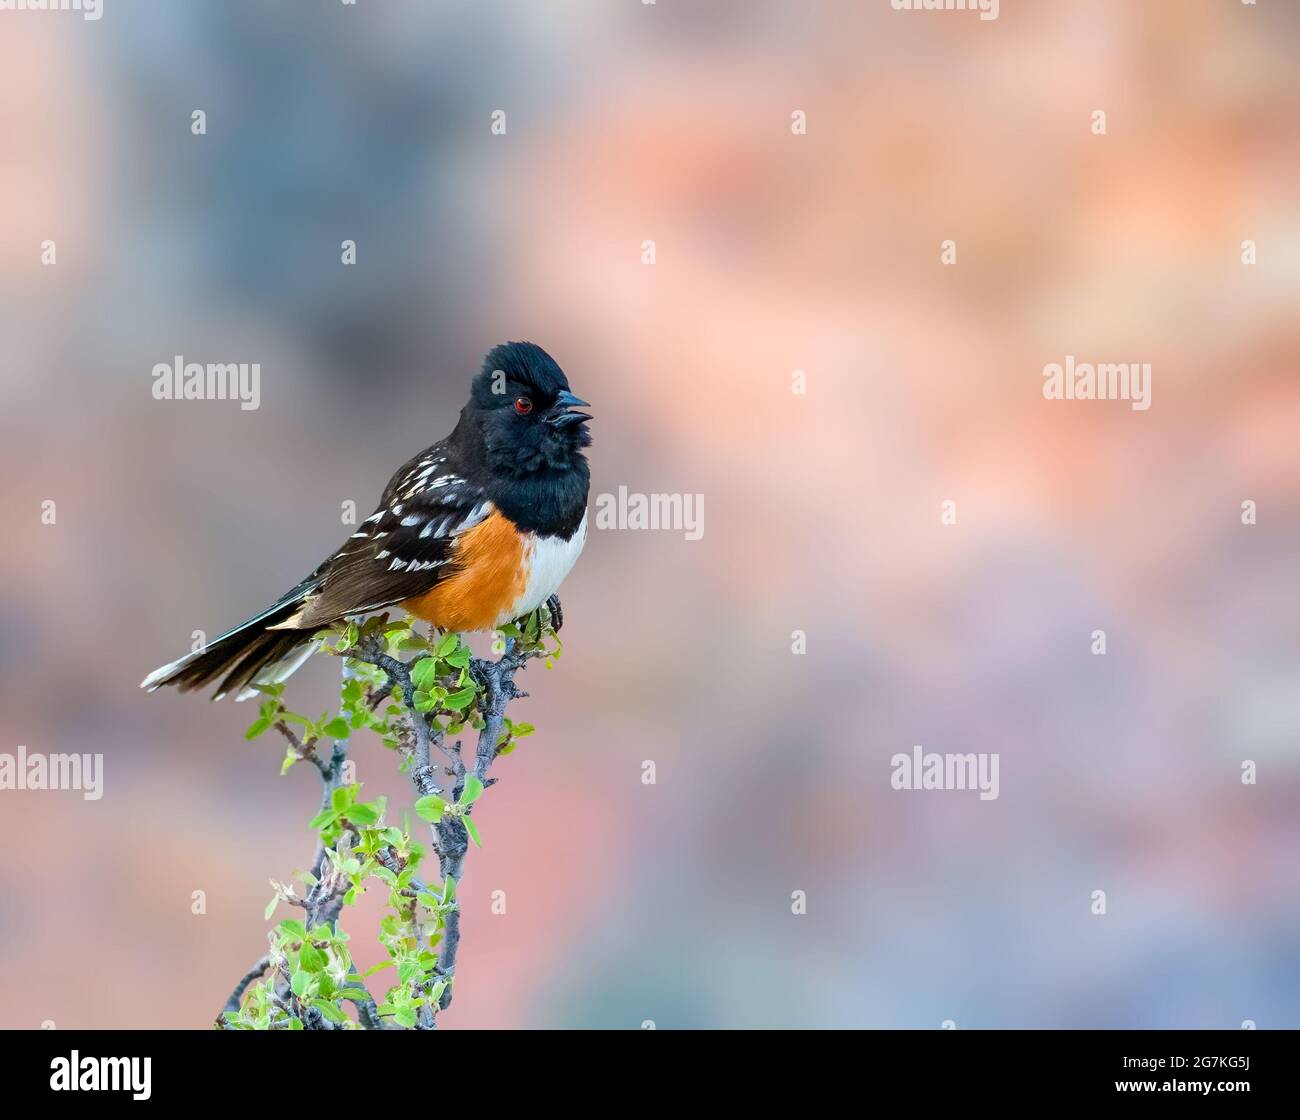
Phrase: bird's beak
pixel 561 417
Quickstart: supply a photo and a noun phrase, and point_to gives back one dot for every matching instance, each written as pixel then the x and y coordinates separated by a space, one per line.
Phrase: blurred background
pixel 775 252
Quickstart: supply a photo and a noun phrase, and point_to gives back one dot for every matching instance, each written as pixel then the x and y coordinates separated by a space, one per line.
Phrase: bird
pixel 475 531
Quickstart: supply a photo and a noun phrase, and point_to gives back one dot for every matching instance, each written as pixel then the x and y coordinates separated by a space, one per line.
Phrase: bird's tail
pixel 252 653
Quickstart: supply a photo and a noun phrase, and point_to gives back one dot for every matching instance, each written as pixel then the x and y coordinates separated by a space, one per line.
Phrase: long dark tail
pixel 251 653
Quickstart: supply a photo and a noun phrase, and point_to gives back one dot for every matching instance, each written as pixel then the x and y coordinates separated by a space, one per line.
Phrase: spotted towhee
pixel 478 529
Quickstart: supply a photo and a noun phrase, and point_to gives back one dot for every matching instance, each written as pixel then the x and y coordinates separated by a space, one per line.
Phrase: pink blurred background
pixel 775 252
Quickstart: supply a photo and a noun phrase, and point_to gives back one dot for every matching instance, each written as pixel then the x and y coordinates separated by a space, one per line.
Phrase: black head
pixel 524 411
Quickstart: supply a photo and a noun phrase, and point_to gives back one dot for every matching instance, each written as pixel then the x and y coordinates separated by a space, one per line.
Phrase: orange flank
pixel 486 579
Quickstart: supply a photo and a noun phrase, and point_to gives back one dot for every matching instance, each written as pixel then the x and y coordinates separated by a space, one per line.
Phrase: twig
pixel 324 899
pixel 498 680
pixel 255 973
pixel 367 1010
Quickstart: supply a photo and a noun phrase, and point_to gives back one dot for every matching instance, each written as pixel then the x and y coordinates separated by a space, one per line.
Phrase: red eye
pixel 523 406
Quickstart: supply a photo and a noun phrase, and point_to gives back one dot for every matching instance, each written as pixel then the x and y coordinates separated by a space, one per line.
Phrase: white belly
pixel 549 560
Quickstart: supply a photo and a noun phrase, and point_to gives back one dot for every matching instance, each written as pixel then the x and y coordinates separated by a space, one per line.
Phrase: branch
pixel 498 681
pixel 325 898
pixel 304 750
pixel 451 840
pixel 416 733
pixel 255 973
pixel 367 1011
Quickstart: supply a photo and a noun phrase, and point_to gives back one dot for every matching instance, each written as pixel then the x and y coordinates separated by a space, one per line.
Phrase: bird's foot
pixel 557 612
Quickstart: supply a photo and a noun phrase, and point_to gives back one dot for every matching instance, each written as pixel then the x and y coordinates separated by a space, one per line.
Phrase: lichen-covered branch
pixel 420 707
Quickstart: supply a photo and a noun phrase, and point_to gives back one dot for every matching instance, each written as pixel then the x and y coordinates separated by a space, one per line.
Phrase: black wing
pixel 401 550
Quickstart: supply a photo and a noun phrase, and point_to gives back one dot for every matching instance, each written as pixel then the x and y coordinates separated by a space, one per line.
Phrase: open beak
pixel 561 417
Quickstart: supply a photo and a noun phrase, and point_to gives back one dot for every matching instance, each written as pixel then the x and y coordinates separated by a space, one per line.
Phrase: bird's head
pixel 524 410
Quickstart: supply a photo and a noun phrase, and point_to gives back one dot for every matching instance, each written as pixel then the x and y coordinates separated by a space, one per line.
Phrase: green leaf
pixel 460 700
pixel 300 982
pixel 405 1017
pixel 341 798
pixel 331 1011
pixel 447 645
pixel 270 908
pixel 472 792
pixel 311 958
pixel 460 658
pixel 519 730
pixel 293 927
pixel 363 813
pixel 423 701
pixel 377 968
pixel 424 674
pixel 431 809
pixel 337 728
pixel 321 819
pixel 472 829
pixel 257 727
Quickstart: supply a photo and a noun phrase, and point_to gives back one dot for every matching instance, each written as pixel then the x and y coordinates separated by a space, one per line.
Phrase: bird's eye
pixel 523 406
